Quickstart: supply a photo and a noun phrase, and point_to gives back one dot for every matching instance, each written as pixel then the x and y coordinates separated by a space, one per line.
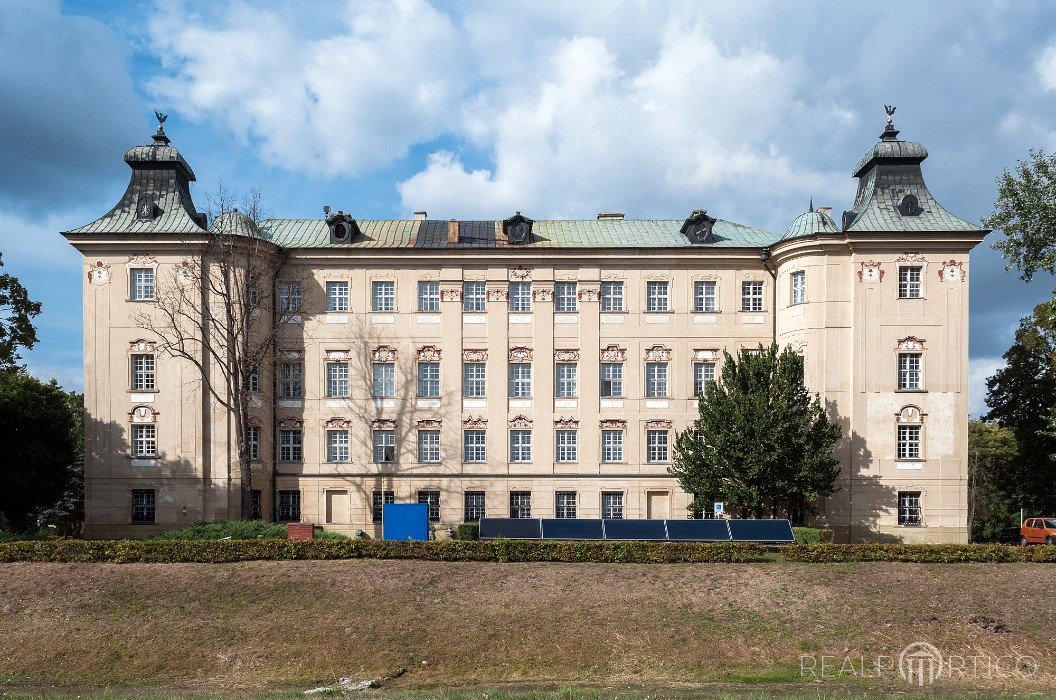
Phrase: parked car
pixel 1038 531
pixel 1009 535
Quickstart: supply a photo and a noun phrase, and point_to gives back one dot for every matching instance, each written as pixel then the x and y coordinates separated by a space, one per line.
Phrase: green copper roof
pixel 809 223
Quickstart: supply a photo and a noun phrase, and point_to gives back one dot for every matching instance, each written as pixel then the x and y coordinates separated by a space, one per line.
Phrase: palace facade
pixel 520 368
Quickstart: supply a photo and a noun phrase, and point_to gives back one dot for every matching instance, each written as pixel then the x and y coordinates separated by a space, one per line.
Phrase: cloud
pixel 979 370
pixel 1046 67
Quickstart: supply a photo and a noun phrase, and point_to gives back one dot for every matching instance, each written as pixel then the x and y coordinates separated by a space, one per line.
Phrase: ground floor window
pixel 565 504
pixel 612 505
pixel 520 504
pixel 909 508
pixel 378 499
pixel 433 499
pixel 474 506
pixel 254 505
pixel 290 506
pixel 143 505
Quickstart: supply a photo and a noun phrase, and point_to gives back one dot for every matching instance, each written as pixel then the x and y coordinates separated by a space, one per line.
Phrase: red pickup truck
pixel 1038 531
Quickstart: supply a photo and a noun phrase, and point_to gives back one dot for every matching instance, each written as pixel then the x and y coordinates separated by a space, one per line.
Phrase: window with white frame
pixel 289 506
pixel 291 379
pixel 253 296
pixel 384 445
pixel 428 445
pixel 520 297
pixel 656 445
pixel 655 380
pixel 383 296
pixel 384 380
pixel 909 511
pixel 474 380
pixel 141 283
pixel 703 372
pixel 429 380
pixel 143 373
pixel 612 296
pixel 612 505
pixel 290 445
pixel 337 446
pixel 612 379
pixel 520 445
pixel 567 444
pixel 611 445
pixel 337 379
pixel 752 296
pixel 144 441
pixel 910 376
pixel 656 296
pixel 473 506
pixel 565 505
pixel 520 379
pixel 253 380
pixel 432 499
pixel 289 297
pixel 909 442
pixel 520 504
pixel 143 505
pixel 799 287
pixel 565 380
pixel 378 499
pixel 253 441
pixel 704 297
pixel 910 282
pixel 429 297
pixel 337 296
pixel 474 296
pixel 474 446
pixel 565 300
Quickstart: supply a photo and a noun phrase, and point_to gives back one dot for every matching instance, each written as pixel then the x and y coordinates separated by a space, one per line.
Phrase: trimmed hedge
pixel 918 553
pixel 213 551
pixel 468 531
pixel 812 535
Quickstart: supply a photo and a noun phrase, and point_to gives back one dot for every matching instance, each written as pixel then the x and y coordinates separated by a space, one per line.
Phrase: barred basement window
pixel 909 511
pixel 473 509
pixel 383 296
pixel 520 445
pixel 289 297
pixel 291 380
pixel 656 445
pixel 703 372
pixel 254 504
pixel 143 373
pixel 909 441
pixel 290 506
pixel 337 296
pixel 429 297
pixel 474 446
pixel 337 446
pixel 377 501
pixel 143 501
pixel 567 443
pixel 520 380
pixel 141 284
pixel 473 380
pixel 751 296
pixel 656 296
pixel 565 504
pixel 520 297
pixel 565 374
pixel 909 374
pixel 799 287
pixel 144 441
pixel 429 379
pixel 612 380
pixel 611 445
pixel 428 445
pixel 384 445
pixel 909 283
pixel 253 441
pixel 290 445
pixel 612 505
pixel 473 296
pixel 433 499
pixel 337 379
pixel 704 299
pixel 520 504
pixel 656 380
pixel 612 296
pixel 565 300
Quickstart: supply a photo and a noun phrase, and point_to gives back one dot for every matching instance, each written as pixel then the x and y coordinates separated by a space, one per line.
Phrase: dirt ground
pixel 280 625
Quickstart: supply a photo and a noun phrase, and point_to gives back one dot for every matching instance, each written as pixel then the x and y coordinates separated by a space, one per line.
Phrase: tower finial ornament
pixel 890 132
pixel 161 120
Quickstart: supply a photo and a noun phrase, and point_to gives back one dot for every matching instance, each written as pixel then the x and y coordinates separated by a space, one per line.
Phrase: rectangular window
pixel 565 300
pixel 611 445
pixel 473 296
pixel 909 442
pixel 383 296
pixel 612 296
pixel 384 445
pixel 253 441
pixel 656 296
pixel 520 379
pixel 429 297
pixel 337 296
pixel 474 446
pixel 565 374
pixel 428 445
pixel 567 443
pixel 143 373
pixel 520 445
pixel 703 372
pixel 337 446
pixel 704 299
pixel 909 374
pixel 909 283
pixel 255 511
pixel 473 509
pixel 909 508
pixel 565 504
pixel 751 296
pixel 520 297
pixel 289 506
pixel 143 501
pixel 253 294
pixel 429 380
pixel 612 380
pixel 474 384
pixel 378 499
pixel 384 380
pixel 289 297
pixel 612 505
pixel 337 379
pixel 141 283
pixel 253 381
pixel 144 441
pixel 433 499
pixel 799 287
pixel 290 445
pixel 291 380
pixel 655 380
pixel 520 504
pixel 656 445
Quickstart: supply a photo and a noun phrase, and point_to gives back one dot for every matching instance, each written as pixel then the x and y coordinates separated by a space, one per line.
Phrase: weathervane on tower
pixel 890 132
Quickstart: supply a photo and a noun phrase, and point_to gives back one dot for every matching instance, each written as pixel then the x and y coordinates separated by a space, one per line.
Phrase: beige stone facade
pixel 396 321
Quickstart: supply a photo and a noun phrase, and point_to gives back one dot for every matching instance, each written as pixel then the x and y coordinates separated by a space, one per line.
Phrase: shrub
pixel 812 535
pixel 321 534
pixel 219 529
pixel 918 553
pixel 468 531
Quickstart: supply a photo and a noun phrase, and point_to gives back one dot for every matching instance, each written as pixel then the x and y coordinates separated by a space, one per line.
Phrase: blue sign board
pixel 405 521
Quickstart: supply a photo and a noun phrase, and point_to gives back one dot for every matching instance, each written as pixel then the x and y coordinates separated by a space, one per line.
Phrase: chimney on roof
pixel 452 231
pixel 421 215
pixel 826 211
pixel 610 216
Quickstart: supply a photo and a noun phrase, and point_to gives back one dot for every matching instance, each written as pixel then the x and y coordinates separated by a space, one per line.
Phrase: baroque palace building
pixel 520 368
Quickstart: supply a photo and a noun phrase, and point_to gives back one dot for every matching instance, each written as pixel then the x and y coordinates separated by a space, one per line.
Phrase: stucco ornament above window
pixel 383 424
pixel 520 274
pixel 142 345
pixel 142 414
pixel 383 353
pixel 429 424
pixel 521 421
pixel 429 353
pixel 658 353
pixel 613 353
pixel 338 423
pixel 658 424
pixel 474 423
pixel 521 354
pixel 911 342
pixel 563 423
pixel 911 415
pixel 613 424
pixel 475 355
pixel 566 355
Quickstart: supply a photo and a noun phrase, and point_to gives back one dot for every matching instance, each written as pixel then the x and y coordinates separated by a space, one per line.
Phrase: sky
pixel 559 109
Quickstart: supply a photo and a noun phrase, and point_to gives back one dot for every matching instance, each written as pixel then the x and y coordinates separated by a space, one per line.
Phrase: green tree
pixel 992 455
pixel 67 513
pixel 762 441
pixel 16 320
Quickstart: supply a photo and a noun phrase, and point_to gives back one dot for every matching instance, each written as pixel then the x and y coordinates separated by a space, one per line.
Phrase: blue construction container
pixel 405 521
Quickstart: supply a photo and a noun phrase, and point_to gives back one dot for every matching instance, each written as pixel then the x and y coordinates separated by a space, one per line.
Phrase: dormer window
pixel 343 228
pixel 697 228
pixel 518 229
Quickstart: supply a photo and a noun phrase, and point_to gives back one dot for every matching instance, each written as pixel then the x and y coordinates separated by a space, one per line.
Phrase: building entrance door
pixel 337 507
pixel 658 505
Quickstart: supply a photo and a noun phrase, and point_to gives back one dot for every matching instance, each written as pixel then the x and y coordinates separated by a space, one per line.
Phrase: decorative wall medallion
pixel 451 294
pixel 429 424
pixel 706 355
pixel 338 423
pixel 142 345
pixel 613 353
pixel 910 414
pixel 184 272
pixel 590 294
pixel 292 354
pixel 474 355
pixel 911 257
pixel 613 424
pixel 428 353
pixel 142 414
pixel 520 274
pixel 99 272
pixel 543 294
pixel 520 354
pixel 472 423
pixel 953 271
pixel 336 354
pixel 658 353
pixel 521 422
pixel 566 423
pixel 383 424
pixel 383 353
pixel 498 295
pixel 290 422
pixel 658 424
pixel 566 355
pixel 911 342
pixel 870 272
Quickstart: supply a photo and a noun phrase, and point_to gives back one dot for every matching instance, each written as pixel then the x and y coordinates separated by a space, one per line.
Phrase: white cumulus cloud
pixel 1046 67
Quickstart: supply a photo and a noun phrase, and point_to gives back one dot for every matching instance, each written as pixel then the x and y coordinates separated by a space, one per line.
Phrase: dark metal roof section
pixel 343 228
pixel 697 228
pixel 158 197
pixel 517 229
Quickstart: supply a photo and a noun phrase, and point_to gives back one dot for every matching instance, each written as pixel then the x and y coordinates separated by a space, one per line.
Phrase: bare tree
pixel 222 311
